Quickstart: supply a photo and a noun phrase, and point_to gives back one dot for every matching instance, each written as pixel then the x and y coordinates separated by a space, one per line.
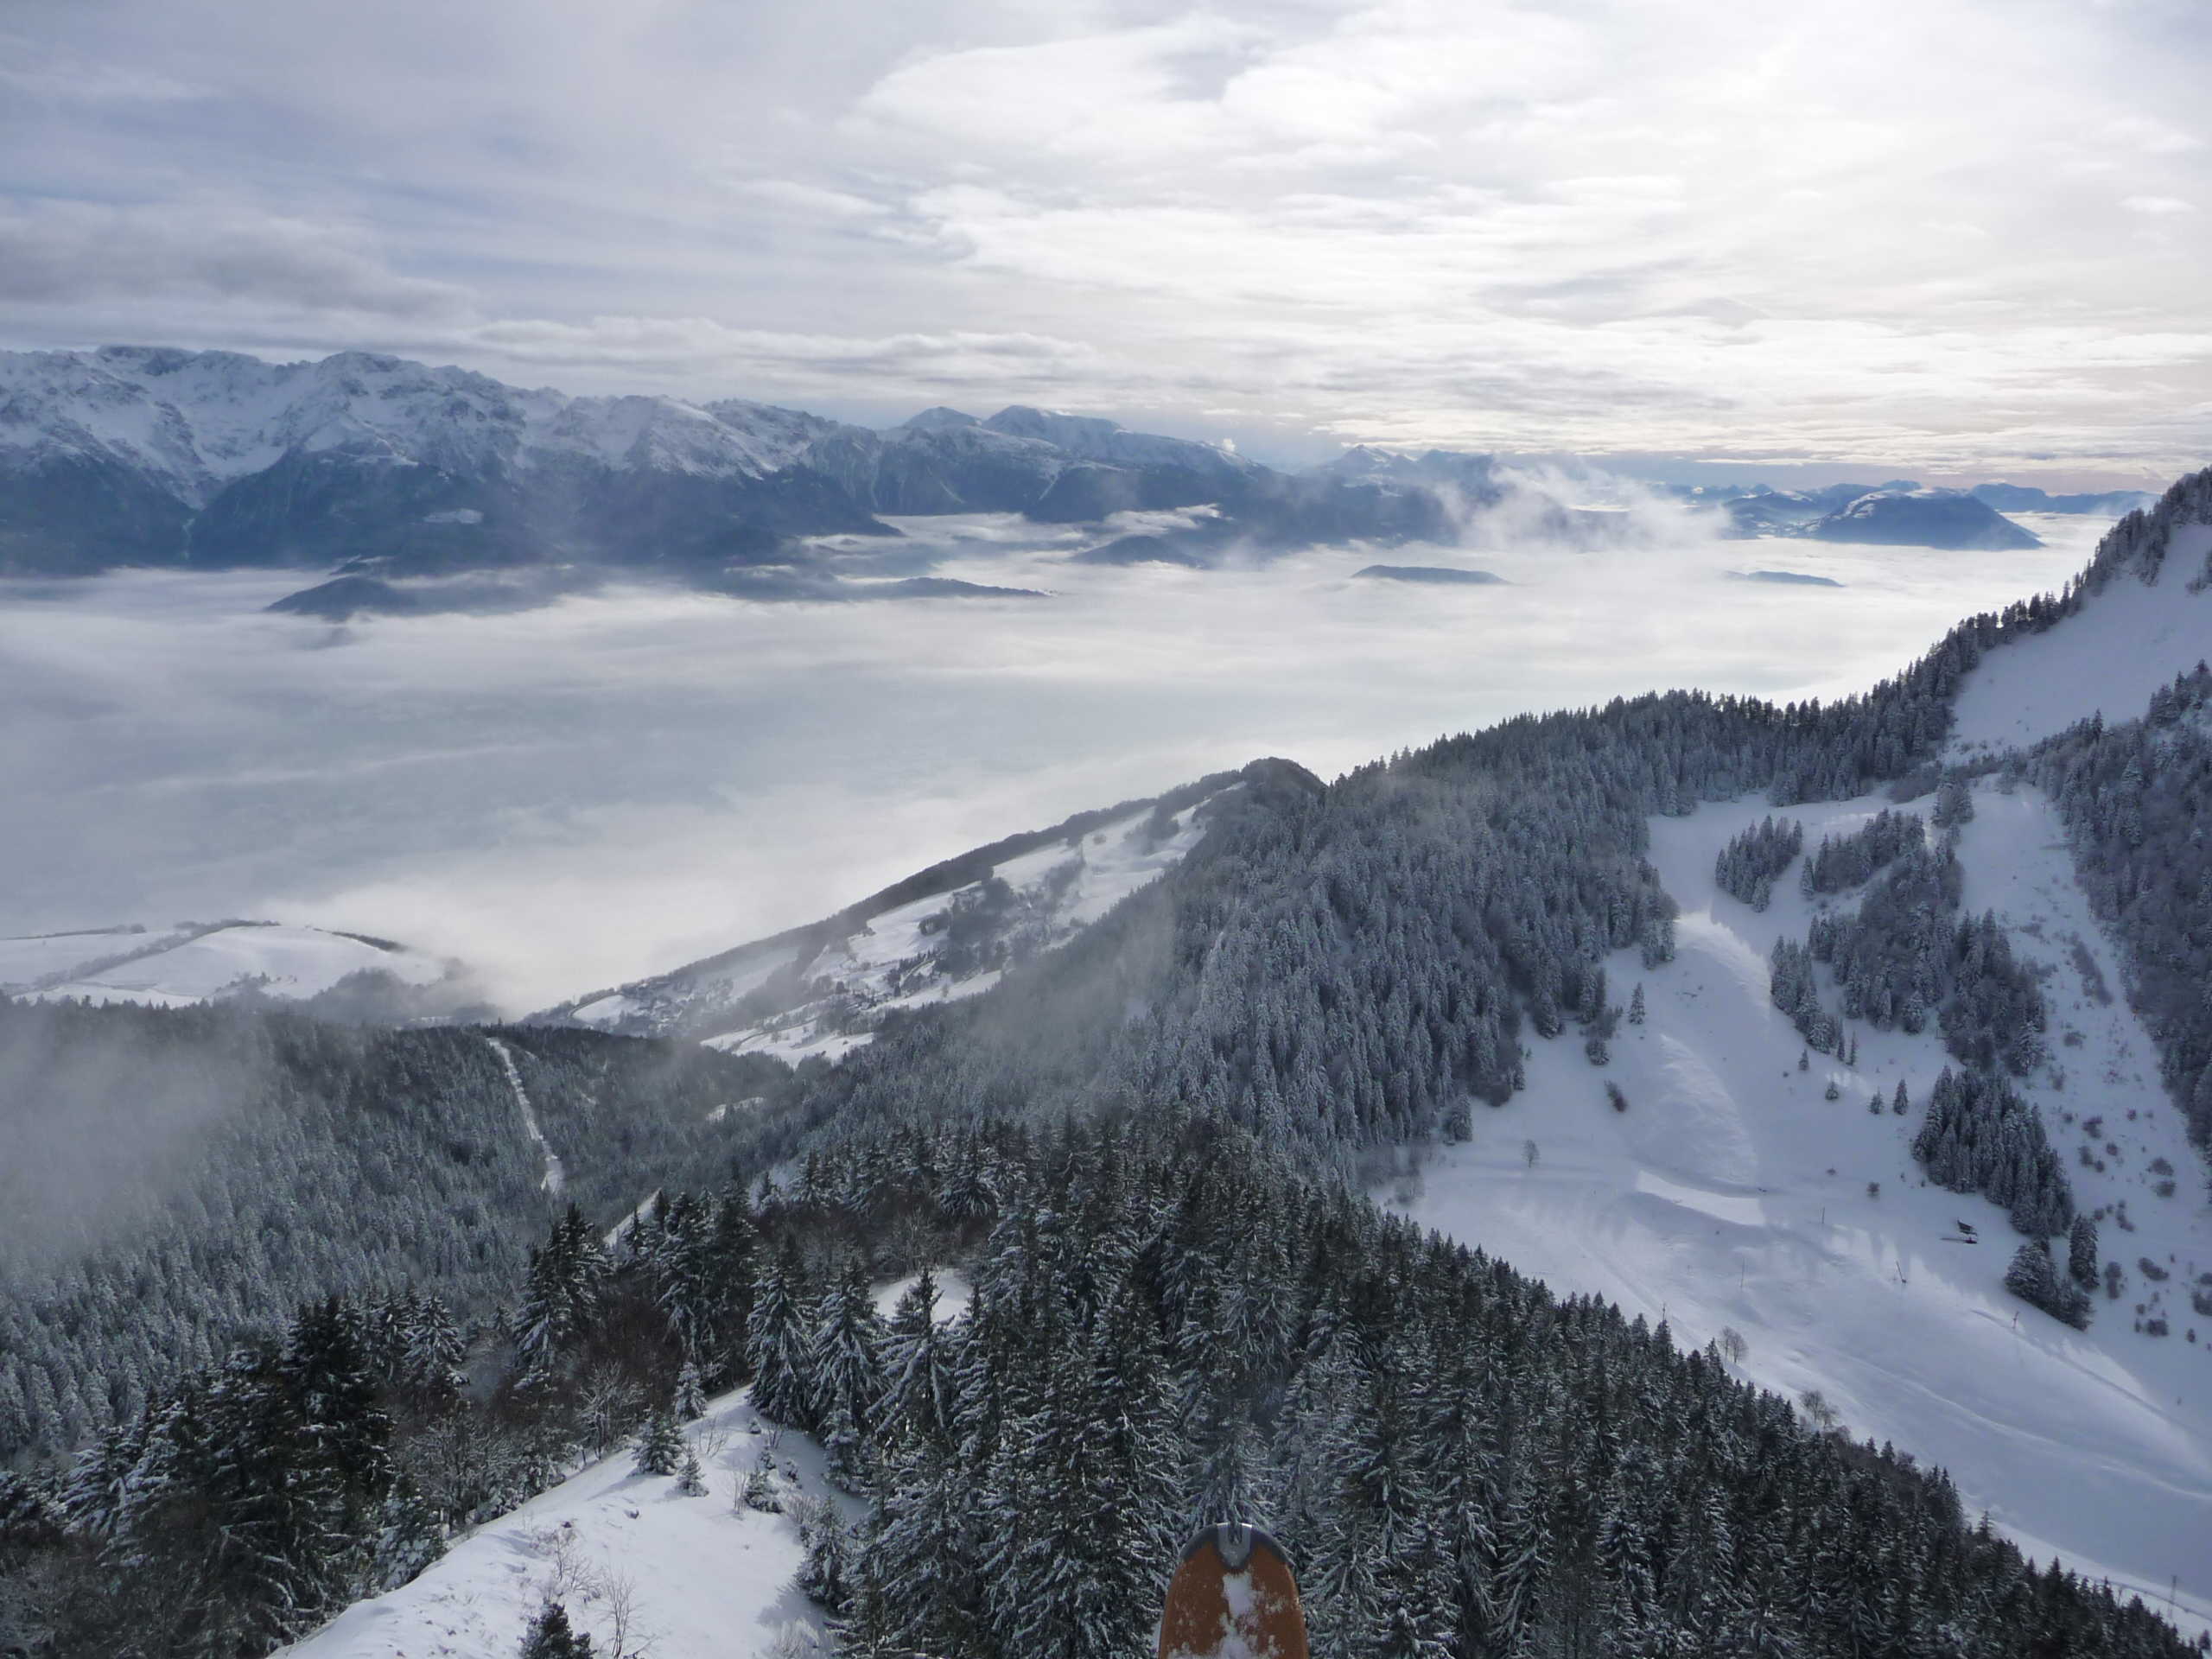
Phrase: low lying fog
pixel 612 785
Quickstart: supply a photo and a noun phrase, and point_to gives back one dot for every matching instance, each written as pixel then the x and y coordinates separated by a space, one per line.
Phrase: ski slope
pixel 1730 1194
pixel 553 1180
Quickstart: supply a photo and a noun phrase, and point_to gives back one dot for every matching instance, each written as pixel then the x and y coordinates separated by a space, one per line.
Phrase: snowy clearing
pixel 954 1293
pixel 897 960
pixel 708 1579
pixel 170 967
pixel 1730 1194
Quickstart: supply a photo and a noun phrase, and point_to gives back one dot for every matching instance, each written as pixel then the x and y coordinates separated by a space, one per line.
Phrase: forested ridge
pixel 1169 1321
pixel 177 1178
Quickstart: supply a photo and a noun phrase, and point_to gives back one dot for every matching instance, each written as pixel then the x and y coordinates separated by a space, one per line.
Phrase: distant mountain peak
pixel 936 418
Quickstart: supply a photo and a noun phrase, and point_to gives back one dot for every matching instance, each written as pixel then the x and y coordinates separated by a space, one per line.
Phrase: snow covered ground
pixel 553 1180
pixel 703 1578
pixel 893 961
pixel 1730 1194
pixel 188 964
pixel 2125 642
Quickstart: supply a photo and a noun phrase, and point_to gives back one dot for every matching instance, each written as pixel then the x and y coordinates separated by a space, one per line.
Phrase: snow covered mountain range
pixel 380 471
pixel 381 467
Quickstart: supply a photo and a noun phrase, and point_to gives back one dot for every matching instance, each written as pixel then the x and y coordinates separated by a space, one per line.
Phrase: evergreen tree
pixel 661 1449
pixel 777 1347
pixel 2081 1253
pixel 2034 1279
pixel 691 1479
pixel 690 1402
pixel 846 1375
pixel 566 1276
pixel 550 1636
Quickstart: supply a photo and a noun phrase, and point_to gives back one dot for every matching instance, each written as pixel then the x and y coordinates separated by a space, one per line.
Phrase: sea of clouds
pixel 618 783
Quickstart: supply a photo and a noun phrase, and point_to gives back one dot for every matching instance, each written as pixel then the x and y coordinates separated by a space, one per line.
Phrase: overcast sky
pixel 1924 234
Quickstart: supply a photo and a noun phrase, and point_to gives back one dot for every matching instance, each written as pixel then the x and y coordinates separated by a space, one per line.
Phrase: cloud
pixel 884 362
pixel 477 785
pixel 1403 219
pixel 65 252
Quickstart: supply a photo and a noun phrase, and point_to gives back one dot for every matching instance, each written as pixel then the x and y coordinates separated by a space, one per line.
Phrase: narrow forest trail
pixel 554 1179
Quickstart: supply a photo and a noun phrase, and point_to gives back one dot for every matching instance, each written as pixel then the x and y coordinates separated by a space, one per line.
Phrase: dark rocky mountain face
pixel 937 463
pixel 63 513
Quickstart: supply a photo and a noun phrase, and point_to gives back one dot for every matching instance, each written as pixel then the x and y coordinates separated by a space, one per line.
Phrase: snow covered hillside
pixel 685 1576
pixel 956 944
pixel 2146 616
pixel 1730 1194
pixel 937 938
pixel 192 964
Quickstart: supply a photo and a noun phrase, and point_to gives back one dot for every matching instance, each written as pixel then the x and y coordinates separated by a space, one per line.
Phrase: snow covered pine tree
pixel 1233 1597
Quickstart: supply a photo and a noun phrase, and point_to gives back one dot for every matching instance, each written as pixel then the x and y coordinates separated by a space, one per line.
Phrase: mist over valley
pixel 615 783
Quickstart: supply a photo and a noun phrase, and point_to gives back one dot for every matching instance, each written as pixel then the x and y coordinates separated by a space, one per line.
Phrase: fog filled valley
pixel 615 784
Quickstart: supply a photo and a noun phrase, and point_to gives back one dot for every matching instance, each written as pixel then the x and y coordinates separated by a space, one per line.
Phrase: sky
pixel 573 797
pixel 1952 238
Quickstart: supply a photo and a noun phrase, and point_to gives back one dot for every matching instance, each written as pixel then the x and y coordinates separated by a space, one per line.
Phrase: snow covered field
pixel 703 1577
pixel 184 965
pixel 1730 1194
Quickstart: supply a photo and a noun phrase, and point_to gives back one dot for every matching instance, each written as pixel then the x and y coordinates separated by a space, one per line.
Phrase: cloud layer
pixel 577 796
pixel 1948 234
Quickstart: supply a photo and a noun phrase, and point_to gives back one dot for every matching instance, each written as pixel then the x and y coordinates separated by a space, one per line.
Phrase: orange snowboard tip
pixel 1233 1597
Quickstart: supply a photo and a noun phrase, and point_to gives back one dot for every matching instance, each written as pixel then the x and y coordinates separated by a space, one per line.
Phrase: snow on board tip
pixel 1233 1597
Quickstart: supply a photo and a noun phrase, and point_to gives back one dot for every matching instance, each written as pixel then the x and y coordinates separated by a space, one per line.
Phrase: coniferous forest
pixel 1169 1321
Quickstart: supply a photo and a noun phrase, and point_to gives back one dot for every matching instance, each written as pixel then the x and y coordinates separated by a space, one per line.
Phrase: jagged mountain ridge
pixel 375 465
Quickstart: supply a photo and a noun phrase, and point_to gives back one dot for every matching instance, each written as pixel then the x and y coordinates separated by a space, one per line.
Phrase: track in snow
pixel 554 1179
